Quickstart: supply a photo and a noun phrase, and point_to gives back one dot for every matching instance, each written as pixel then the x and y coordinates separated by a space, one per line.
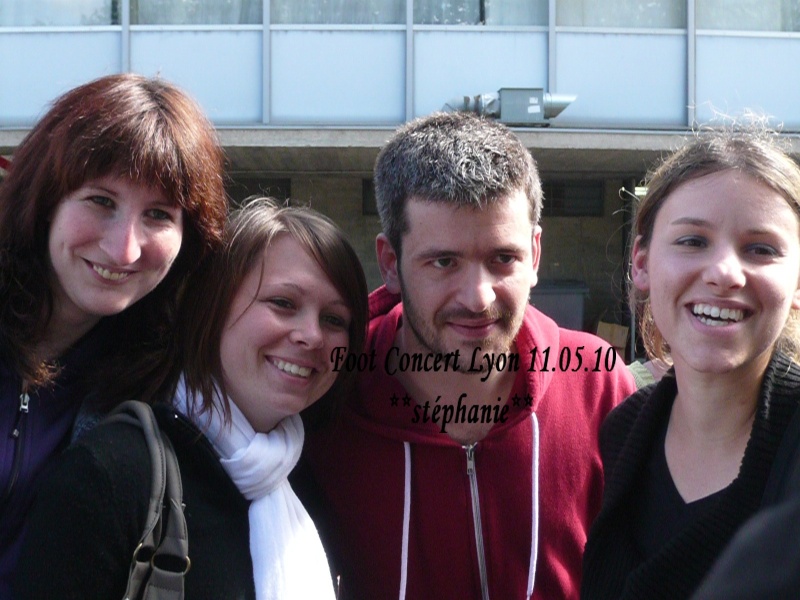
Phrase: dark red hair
pixel 122 125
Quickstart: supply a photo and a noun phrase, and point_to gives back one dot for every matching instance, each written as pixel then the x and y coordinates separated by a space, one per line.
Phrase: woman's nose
pixel 122 242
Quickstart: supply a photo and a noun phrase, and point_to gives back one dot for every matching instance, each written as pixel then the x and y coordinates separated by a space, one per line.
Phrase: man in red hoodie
pixel 467 463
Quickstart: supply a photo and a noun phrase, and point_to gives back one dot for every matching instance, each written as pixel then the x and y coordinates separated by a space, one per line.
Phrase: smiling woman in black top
pixel 716 277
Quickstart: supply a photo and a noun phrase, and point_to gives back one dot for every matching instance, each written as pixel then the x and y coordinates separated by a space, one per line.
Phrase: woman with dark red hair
pixel 110 199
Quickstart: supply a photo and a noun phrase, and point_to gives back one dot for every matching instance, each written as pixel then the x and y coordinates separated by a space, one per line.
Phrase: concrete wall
pixel 590 250
pixel 339 197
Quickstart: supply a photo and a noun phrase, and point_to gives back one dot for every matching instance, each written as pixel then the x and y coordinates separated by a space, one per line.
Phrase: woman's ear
pixel 639 273
pixel 796 298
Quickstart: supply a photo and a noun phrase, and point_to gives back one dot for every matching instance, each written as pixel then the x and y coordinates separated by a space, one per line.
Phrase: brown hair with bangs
pixel 122 125
pixel 212 288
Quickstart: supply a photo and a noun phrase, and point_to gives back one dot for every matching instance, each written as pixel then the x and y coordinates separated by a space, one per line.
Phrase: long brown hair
pixel 121 125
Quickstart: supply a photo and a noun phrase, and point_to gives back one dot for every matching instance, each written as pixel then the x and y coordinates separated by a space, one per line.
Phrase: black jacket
pixel 30 440
pixel 89 516
pixel 612 566
pixel 763 560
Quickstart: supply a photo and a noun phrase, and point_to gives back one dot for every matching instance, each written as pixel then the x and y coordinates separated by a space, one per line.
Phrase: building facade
pixel 304 93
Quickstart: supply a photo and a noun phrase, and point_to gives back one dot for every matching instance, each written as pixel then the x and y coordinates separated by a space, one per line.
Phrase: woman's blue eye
pixel 280 302
pixel 763 250
pixel 159 215
pixel 102 201
pixel 336 321
pixel 692 241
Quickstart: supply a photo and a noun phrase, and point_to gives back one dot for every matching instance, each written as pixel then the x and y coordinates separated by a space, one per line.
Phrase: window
pixel 196 12
pixel 369 205
pixel 749 15
pixel 647 14
pixel 573 199
pixel 49 13
pixel 338 12
pixel 481 12
pixel 426 12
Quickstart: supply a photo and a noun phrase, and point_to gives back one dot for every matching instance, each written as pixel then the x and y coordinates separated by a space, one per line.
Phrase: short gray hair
pixel 456 157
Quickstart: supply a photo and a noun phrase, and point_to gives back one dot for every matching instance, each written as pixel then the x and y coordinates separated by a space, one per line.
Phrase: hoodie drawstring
pixel 534 510
pixel 406 519
pixel 534 502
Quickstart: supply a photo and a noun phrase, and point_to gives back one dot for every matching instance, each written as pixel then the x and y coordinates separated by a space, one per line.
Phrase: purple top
pixel 30 435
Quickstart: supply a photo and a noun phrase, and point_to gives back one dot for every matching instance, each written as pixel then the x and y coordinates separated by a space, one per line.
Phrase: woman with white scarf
pixel 260 323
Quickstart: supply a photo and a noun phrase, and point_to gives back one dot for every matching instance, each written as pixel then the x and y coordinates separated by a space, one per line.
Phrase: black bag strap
pixel 161 559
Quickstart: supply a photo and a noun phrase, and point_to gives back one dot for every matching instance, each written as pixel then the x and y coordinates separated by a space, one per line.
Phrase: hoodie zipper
pixel 476 518
pixel 16 435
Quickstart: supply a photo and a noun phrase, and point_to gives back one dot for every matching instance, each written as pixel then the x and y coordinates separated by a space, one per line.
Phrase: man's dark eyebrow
pixel 510 250
pixel 447 253
pixel 437 253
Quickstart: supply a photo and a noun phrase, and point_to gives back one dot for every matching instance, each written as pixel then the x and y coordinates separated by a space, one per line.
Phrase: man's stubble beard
pixel 430 338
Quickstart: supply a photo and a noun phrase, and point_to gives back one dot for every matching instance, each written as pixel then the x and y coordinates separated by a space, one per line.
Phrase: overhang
pixel 285 151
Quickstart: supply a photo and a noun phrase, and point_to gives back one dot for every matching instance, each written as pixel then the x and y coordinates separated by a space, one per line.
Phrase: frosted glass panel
pixel 344 77
pixel 221 69
pixel 495 59
pixel 623 79
pixel 748 74
pixel 46 64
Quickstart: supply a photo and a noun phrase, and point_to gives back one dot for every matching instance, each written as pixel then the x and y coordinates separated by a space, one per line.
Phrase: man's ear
pixel 536 253
pixel 388 263
pixel 639 274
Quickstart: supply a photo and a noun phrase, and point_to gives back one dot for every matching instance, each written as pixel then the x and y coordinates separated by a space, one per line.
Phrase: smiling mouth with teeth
pixel 716 316
pixel 292 368
pixel 111 276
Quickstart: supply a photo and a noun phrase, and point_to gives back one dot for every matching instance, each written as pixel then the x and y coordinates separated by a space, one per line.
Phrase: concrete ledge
pixel 352 150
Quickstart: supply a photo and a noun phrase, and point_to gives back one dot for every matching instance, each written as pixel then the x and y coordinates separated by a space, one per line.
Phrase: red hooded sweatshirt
pixel 406 512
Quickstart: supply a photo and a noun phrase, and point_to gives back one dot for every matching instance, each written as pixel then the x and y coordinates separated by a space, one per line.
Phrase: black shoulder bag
pixel 161 559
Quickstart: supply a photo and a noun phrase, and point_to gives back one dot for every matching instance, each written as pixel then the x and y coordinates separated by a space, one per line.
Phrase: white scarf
pixel 289 562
